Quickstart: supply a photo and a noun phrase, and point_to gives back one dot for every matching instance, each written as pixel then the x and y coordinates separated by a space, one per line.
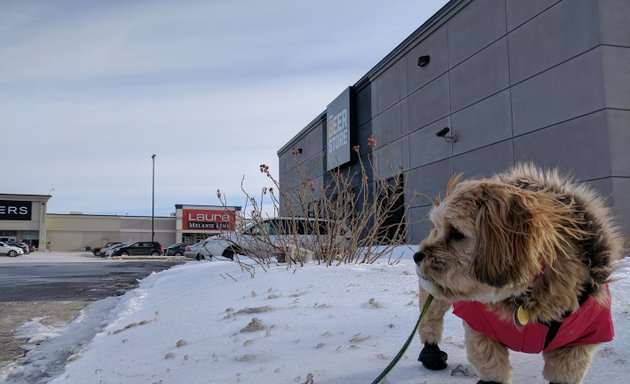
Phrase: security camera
pixel 443 132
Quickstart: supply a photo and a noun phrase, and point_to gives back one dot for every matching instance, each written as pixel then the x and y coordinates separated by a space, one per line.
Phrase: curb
pixel 160 258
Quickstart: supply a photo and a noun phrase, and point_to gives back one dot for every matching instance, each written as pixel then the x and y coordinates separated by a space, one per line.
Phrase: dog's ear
pixel 506 245
pixel 453 181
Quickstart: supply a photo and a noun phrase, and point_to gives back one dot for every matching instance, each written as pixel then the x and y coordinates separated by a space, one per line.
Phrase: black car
pixel 140 248
pixel 176 249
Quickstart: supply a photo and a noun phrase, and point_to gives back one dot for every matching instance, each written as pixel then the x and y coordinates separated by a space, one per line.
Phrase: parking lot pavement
pixel 74 257
pixel 56 257
pixel 54 286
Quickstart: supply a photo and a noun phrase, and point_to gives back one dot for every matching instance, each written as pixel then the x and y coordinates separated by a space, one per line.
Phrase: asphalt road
pixel 56 287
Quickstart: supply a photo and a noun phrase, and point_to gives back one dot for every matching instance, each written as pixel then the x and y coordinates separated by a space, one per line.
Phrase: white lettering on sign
pixel 15 210
pixel 206 217
pixel 11 210
pixel 338 131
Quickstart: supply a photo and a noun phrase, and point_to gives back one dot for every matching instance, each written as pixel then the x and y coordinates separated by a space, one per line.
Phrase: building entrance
pixel 391 204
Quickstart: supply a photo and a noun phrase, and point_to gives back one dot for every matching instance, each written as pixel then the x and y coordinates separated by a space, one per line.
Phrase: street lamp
pixel 153 200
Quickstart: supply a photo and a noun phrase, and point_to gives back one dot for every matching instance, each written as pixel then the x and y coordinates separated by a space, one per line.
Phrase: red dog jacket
pixel 591 323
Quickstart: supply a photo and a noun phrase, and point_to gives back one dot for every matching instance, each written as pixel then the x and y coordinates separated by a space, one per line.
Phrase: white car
pixel 272 237
pixel 10 250
pixel 197 251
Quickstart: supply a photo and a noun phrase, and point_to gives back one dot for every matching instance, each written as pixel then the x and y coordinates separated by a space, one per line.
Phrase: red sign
pixel 208 220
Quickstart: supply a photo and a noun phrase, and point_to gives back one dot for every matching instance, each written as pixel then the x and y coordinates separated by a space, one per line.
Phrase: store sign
pixel 208 220
pixel 16 210
pixel 338 123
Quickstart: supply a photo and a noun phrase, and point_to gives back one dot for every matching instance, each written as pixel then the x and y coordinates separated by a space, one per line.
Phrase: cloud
pixel 89 90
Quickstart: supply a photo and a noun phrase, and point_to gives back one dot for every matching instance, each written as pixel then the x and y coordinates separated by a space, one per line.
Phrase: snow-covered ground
pixel 211 322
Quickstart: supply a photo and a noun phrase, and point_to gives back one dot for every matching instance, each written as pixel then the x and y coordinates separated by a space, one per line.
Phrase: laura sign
pixel 15 210
pixel 208 219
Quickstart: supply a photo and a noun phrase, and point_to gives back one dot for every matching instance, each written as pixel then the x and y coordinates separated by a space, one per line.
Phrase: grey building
pixel 546 81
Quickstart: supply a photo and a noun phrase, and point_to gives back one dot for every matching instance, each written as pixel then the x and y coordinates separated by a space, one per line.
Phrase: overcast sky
pixel 90 89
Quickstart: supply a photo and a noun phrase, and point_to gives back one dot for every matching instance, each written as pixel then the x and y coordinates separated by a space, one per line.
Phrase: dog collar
pixel 521 313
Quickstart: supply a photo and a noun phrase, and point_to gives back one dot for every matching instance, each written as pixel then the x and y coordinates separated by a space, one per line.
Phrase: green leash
pixel 404 348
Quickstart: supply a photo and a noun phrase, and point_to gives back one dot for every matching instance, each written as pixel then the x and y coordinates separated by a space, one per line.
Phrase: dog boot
pixel 432 357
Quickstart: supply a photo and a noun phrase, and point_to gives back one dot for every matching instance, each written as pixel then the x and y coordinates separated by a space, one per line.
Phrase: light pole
pixel 153 200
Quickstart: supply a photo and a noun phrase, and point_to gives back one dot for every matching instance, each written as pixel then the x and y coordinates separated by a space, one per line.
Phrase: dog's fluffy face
pixel 481 246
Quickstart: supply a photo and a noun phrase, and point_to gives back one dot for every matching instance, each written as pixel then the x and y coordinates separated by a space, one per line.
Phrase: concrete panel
pixel 621 207
pixel 435 45
pixel 429 104
pixel 480 76
pixel 619 141
pixel 485 162
pixel 392 158
pixel 475 27
pixel 387 126
pixel 314 141
pixel 562 32
pixel 361 139
pixel 363 104
pixel 519 11
pixel 429 181
pixel 483 123
pixel 288 180
pixel 425 147
pixel 312 168
pixel 572 89
pixel 288 167
pixel 165 224
pixel 418 225
pixel 391 86
pixel 604 187
pixel 579 146
pixel 614 16
pixel 616 64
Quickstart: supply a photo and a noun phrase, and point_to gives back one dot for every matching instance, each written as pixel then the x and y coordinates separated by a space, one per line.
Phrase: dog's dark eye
pixel 455 234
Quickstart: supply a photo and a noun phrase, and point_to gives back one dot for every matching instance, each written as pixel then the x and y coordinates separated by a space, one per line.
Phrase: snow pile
pixel 211 322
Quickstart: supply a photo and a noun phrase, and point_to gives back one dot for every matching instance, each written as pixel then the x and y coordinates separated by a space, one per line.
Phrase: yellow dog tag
pixel 521 316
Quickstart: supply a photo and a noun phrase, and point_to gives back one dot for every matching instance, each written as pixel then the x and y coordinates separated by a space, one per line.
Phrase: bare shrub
pixel 354 216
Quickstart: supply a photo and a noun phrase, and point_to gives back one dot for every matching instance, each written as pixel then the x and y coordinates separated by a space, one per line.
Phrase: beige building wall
pixel 79 232
pixel 76 232
pixel 37 223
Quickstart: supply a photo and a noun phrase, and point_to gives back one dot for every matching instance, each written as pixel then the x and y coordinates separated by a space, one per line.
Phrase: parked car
pixel 10 250
pixel 107 252
pixel 197 251
pixel 271 237
pixel 96 250
pixel 18 244
pixel 176 249
pixel 140 248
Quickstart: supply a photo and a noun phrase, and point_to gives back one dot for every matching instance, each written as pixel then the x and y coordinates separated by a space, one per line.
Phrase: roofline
pixel 209 206
pixel 302 133
pixel 383 64
pixel 405 44
pixel 112 216
pixel 22 195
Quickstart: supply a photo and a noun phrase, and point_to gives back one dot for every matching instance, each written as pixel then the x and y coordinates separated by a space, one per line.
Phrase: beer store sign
pixel 338 124
pixel 208 220
pixel 16 210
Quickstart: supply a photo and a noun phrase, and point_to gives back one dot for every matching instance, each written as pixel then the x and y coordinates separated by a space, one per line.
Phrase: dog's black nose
pixel 418 257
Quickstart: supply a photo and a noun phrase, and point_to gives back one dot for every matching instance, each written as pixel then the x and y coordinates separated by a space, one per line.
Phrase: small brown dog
pixel 524 257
